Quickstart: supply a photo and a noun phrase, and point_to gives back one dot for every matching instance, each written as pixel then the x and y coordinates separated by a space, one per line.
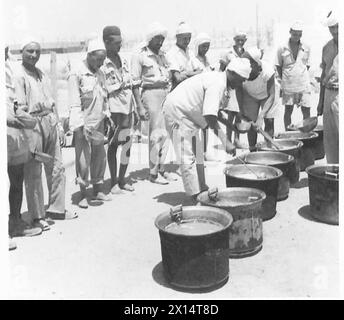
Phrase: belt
pixel 41 113
pixel 154 87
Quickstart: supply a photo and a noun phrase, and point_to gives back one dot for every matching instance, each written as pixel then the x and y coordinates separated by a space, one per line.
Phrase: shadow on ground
pixel 303 183
pixel 76 197
pixel 159 277
pixel 305 212
pixel 174 198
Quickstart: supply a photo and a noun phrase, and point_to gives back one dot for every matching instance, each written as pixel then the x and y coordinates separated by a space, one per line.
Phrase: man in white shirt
pixel 180 57
pixel 194 105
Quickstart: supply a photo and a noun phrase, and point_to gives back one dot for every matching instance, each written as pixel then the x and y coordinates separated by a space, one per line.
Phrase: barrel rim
pixel 312 174
pixel 287 156
pixel 298 145
pixel 279 172
pixel 313 134
pixel 260 192
pixel 199 208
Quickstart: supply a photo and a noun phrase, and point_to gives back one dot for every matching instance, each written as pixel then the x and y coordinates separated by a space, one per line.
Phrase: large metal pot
pixel 319 151
pixel 244 204
pixel 195 258
pixel 291 147
pixel 241 176
pixel 323 181
pixel 308 139
pixel 278 160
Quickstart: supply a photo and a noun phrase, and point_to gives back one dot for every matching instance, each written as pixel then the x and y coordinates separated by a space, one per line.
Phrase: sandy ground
pixel 112 251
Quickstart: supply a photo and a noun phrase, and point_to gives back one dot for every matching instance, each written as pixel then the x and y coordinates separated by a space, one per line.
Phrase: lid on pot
pixel 231 197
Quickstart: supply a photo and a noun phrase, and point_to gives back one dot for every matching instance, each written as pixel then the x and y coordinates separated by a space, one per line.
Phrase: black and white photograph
pixel 170 150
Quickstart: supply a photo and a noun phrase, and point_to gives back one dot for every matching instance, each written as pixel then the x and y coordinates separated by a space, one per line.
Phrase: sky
pixel 51 20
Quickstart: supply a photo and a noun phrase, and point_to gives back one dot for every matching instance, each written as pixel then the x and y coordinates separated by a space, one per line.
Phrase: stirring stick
pixel 247 167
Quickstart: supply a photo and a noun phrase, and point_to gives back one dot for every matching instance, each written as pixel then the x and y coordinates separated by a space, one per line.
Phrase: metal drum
pixel 291 147
pixel 308 139
pixel 244 205
pixel 194 246
pixel 323 182
pixel 319 151
pixel 268 179
pixel 279 160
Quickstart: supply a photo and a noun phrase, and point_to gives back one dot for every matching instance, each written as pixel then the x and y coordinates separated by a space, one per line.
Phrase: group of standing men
pixel 178 93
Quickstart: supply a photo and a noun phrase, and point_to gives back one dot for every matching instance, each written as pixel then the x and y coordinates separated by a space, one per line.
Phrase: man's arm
pixel 214 125
pixel 320 107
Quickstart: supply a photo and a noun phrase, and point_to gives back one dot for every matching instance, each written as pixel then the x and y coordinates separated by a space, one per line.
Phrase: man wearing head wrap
pixel 329 89
pixel 119 86
pixel 257 96
pixel 232 107
pixel 16 158
pixel 292 64
pixel 202 44
pixel 34 96
pixel 194 105
pixel 88 108
pixel 180 58
pixel 149 66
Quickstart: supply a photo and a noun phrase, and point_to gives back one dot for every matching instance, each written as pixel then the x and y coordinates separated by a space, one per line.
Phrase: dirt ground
pixel 112 251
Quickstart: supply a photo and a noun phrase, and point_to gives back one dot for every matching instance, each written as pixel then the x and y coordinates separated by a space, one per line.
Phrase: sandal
pixel 126 187
pixel 41 223
pixel 67 215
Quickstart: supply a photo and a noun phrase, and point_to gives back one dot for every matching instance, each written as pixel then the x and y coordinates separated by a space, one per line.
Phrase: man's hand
pixel 62 136
pixel 258 124
pixel 143 114
pixel 230 148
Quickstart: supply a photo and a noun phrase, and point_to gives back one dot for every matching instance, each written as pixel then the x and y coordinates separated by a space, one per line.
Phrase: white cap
pixel 331 19
pixel 183 27
pixel 297 25
pixel 239 33
pixel 241 66
pixel 27 40
pixel 255 54
pixel 95 45
pixel 155 29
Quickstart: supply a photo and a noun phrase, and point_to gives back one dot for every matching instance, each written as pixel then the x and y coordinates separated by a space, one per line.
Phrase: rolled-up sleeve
pixel 279 60
pixel 20 91
pixel 172 60
pixel 212 99
pixel 136 69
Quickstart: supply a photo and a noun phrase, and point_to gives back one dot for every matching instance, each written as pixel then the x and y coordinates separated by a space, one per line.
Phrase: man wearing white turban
pixel 150 67
pixel 329 89
pixel 88 108
pixel 34 96
pixel 180 58
pixel 292 64
pixel 232 107
pixel 194 105
pixel 257 96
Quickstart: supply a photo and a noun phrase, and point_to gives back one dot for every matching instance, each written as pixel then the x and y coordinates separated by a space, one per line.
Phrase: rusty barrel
pixel 308 139
pixel 319 151
pixel 244 205
pixel 323 183
pixel 291 147
pixel 279 160
pixel 194 246
pixel 240 175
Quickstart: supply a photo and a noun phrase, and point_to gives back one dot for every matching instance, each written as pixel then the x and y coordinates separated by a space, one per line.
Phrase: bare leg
pixel 287 115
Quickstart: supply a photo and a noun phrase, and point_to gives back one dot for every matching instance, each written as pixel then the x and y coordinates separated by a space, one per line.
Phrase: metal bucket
pixel 308 139
pixel 318 150
pixel 244 204
pixel 239 176
pixel 291 147
pixel 323 181
pixel 195 261
pixel 278 160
